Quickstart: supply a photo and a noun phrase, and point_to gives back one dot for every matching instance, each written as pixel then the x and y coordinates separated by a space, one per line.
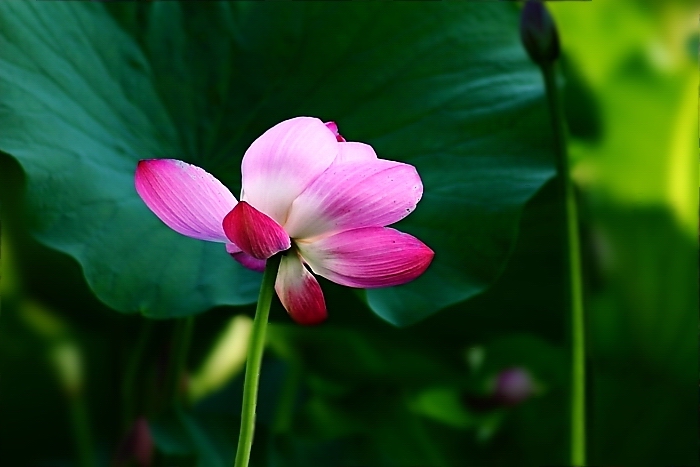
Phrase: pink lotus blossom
pixel 306 192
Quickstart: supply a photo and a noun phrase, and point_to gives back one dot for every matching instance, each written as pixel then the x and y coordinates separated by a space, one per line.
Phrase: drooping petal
pixel 255 233
pixel 334 128
pixel 368 257
pixel 347 196
pixel 185 197
pixel 282 162
pixel 299 291
pixel 245 259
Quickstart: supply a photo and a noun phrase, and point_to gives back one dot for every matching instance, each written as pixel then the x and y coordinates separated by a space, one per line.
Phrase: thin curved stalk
pixel 573 276
pixel 254 362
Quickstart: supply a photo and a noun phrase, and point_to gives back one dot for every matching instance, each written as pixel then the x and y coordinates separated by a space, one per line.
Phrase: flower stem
pixel 574 279
pixel 81 430
pixel 180 346
pixel 134 363
pixel 254 361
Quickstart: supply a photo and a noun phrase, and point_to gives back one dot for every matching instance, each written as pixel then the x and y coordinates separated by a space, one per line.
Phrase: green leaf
pixel 445 405
pixel 78 109
pixel 87 92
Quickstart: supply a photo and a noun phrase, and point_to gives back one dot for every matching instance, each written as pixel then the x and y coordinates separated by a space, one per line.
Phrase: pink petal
pixel 282 162
pixel 245 259
pixel 186 198
pixel 254 232
pixel 347 196
pixel 355 152
pixel 334 128
pixel 368 257
pixel 299 291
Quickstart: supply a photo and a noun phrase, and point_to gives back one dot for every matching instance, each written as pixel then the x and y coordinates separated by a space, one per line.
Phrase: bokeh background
pixel 78 376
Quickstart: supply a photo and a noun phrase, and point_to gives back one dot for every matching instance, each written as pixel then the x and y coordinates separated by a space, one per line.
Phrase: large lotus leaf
pixel 87 90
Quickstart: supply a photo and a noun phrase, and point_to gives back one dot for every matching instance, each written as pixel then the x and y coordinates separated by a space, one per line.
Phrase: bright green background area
pixel 446 87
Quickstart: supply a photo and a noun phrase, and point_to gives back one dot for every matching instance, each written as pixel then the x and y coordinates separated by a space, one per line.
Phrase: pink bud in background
pixel 513 386
pixel 509 388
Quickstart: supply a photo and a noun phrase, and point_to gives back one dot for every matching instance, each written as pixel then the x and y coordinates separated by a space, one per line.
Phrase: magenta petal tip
pixel 185 197
pixel 300 292
pixel 254 232
pixel 334 128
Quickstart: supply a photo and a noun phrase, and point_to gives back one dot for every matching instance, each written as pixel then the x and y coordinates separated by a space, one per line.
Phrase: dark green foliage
pixel 443 87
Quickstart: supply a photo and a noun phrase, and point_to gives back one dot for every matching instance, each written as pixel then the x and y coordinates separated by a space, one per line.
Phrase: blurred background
pixel 483 382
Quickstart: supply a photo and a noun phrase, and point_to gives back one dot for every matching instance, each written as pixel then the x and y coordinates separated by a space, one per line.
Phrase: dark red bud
pixel 539 33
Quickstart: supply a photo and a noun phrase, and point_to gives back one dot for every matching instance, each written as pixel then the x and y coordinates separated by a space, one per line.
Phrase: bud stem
pixel 573 273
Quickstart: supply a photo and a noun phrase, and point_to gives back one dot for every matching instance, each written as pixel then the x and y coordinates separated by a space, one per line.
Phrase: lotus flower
pixel 324 202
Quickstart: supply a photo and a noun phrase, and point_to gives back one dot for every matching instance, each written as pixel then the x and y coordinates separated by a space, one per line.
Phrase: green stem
pixel 573 265
pixel 179 350
pixel 254 361
pixel 81 429
pixel 131 372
